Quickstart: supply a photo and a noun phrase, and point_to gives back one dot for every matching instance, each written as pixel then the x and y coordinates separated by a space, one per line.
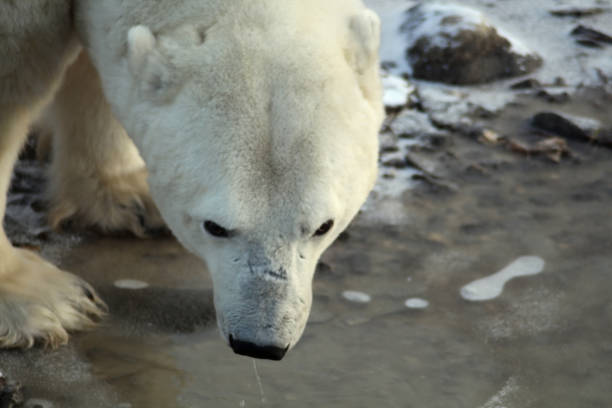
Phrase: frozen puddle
pixel 356 297
pixel 416 303
pixel 130 284
pixel 492 286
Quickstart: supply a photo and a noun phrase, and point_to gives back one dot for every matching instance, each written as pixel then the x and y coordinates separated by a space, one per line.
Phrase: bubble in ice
pixel 416 303
pixel 356 296
pixel 132 284
pixel 492 286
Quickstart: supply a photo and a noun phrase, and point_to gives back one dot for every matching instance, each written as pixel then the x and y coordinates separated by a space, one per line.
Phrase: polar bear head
pixel 259 131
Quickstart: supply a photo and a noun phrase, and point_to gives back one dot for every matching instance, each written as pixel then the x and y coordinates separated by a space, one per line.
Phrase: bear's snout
pixel 246 348
pixel 265 318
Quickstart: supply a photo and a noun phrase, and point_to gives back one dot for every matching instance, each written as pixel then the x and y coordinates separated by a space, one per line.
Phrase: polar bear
pixel 258 124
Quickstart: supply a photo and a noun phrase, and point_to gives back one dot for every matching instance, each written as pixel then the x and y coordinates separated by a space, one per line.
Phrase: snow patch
pixel 356 297
pixel 393 42
pixel 416 303
pixel 431 23
pixel 492 286
pixel 451 105
pixel 396 91
pixel 132 284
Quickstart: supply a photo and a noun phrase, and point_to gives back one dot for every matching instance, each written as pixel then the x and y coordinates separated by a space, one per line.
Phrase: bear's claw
pixel 40 304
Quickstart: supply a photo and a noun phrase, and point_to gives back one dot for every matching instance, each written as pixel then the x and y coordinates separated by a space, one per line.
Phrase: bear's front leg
pixel 38 302
pixel 97 178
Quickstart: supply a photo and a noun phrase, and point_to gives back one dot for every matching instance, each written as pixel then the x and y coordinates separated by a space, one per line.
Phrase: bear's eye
pixel 216 230
pixel 324 228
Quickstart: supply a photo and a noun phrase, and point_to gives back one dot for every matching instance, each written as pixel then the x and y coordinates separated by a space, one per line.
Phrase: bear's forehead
pixel 274 125
pixel 275 105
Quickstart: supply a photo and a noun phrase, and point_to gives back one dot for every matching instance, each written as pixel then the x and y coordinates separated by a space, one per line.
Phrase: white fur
pixel 260 116
pixel 97 177
pixel 140 43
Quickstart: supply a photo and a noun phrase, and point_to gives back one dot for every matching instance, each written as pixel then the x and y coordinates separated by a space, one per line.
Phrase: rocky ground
pixel 472 177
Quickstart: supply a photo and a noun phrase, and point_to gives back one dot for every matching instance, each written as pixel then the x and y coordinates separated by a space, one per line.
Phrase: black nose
pixel 246 348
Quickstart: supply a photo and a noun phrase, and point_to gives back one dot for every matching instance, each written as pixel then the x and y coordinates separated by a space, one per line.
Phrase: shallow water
pixel 544 341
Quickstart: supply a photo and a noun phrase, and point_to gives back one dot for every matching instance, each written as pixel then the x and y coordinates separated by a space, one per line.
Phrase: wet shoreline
pixel 540 341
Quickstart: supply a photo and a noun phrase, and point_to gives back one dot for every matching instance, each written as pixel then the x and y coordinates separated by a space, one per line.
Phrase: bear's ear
pixel 147 64
pixel 364 40
pixel 141 44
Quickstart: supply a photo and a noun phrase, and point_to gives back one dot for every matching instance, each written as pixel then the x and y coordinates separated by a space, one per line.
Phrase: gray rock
pixel 530 83
pixel 10 393
pixel 388 142
pixel 590 37
pixel 455 44
pixel 560 97
pixel 395 163
pixel 554 123
pixel 572 127
pixel 569 11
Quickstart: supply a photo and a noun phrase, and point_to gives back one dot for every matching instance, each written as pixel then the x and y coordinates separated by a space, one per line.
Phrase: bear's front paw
pixel 115 204
pixel 40 303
